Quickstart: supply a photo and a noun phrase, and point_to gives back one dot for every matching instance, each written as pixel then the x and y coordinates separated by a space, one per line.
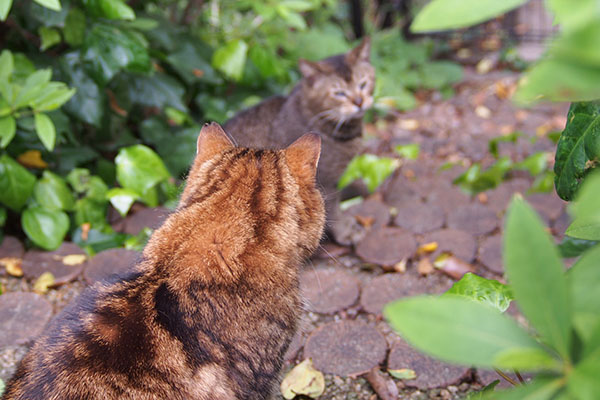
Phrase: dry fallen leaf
pixel 483 112
pixel 424 267
pixel 303 379
pixel 427 248
pixel 482 197
pixel 403 373
pixel 74 259
pixel 85 230
pixel 385 388
pixel 452 266
pixel 484 66
pixel 400 266
pixel 32 159
pixel 44 282
pixel 366 222
pixel 12 265
pixel 409 124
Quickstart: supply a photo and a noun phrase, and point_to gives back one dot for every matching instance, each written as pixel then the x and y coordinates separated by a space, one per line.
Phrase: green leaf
pixel 192 66
pixel 74 30
pixel 439 15
pixel 293 19
pixel 535 163
pixel 487 291
pixel 585 210
pixel 493 143
pixel 49 36
pixel 410 151
pixel 527 360
pixel 99 240
pixel 16 183
pixel 585 228
pixel 111 9
pixel 474 180
pixel 372 169
pixel 108 49
pixel 51 192
pixel 536 275
pixel 583 381
pixel 55 95
pixel 2 216
pixel 35 84
pixel 44 227
pixel 5 6
pixel 404 373
pixel 51 4
pixel 122 199
pixel 140 169
pixel 6 65
pixel 45 130
pixel 88 210
pixel 579 143
pixel 8 129
pixel 541 388
pixel 159 90
pixel 571 247
pixel 231 58
pixel 456 329
pixel 437 74
pixel 584 280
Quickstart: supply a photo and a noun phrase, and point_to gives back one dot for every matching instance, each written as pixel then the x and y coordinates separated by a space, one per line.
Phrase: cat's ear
pixel 302 156
pixel 212 140
pixel 362 52
pixel 308 68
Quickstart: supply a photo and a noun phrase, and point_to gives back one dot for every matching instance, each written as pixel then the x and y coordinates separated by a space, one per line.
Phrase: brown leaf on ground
pixel 452 266
pixel 366 222
pixel 13 266
pixel 32 159
pixel 385 388
pixel 424 267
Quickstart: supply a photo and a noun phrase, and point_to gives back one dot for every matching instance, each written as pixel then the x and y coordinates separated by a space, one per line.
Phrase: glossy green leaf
pixel 5 6
pixel 409 151
pixel 456 329
pixel 535 163
pixel 528 359
pixel 88 210
pixel 158 90
pixel 536 275
pixel 74 30
pixel 292 18
pixel 8 129
pixel 192 66
pixel 578 144
pixel 6 64
pixel 16 183
pixel 49 36
pixel 487 291
pixel 107 49
pixel 55 95
pixel 584 281
pixel 585 228
pixel 541 388
pixel 373 170
pixel 51 4
pixel 122 199
pixel 51 192
pixel 231 58
pixel 439 15
pixel 33 87
pixel 98 240
pixel 2 216
pixel 45 130
pixel 140 169
pixel 571 247
pixel 111 9
pixel 46 228
pixel 493 143
pixel 473 180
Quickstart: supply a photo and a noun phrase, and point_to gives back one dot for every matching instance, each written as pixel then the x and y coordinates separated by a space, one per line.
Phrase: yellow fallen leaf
pixel 402 373
pixel 43 283
pixel 427 248
pixel 400 266
pixel 74 259
pixel 303 379
pixel 12 265
pixel 32 159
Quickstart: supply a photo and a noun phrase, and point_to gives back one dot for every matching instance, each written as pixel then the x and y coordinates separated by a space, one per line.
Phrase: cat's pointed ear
pixel 362 52
pixel 302 156
pixel 308 68
pixel 212 140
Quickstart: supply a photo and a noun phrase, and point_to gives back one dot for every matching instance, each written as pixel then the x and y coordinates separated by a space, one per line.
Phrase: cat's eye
pixel 362 85
pixel 340 93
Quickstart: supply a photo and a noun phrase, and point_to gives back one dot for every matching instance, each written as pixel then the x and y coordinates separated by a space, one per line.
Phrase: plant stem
pixel 519 377
pixel 508 378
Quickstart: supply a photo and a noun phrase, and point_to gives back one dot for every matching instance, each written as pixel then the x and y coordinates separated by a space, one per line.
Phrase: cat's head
pixel 339 88
pixel 258 196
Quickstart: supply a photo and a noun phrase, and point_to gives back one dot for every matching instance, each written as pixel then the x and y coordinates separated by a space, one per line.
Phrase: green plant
pixel 563 309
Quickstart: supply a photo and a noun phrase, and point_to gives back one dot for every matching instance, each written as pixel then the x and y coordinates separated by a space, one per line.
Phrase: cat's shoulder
pixel 250 127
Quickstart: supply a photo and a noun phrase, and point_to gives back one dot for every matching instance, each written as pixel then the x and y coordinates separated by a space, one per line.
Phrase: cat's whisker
pixel 327 114
pixel 339 125
pixel 334 258
pixel 315 271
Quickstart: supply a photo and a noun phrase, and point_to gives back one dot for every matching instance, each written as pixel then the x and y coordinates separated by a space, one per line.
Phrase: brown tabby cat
pixel 330 100
pixel 214 301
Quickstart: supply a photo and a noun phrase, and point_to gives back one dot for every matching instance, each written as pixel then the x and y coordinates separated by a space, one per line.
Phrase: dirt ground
pixel 346 286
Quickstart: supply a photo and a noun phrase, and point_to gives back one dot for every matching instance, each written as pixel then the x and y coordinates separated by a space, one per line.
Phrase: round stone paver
pixel 499 198
pixel 354 223
pixel 475 219
pixel 110 262
pixel 328 291
pixel 24 316
pixel 430 373
pixel 146 218
pixel 460 244
pixel 11 247
pixel 386 246
pixel 389 287
pixel 548 205
pixel 490 253
pixel 448 198
pixel 420 218
pixel 36 262
pixel 346 348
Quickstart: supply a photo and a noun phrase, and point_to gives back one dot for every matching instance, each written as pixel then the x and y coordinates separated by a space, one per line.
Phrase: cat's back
pixel 251 127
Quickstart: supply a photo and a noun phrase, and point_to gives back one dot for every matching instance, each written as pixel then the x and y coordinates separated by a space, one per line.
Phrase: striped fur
pixel 213 303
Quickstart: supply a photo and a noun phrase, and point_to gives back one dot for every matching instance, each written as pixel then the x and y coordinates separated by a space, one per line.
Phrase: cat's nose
pixel 358 100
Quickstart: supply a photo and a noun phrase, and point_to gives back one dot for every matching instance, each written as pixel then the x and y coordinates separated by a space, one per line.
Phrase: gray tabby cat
pixel 330 99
